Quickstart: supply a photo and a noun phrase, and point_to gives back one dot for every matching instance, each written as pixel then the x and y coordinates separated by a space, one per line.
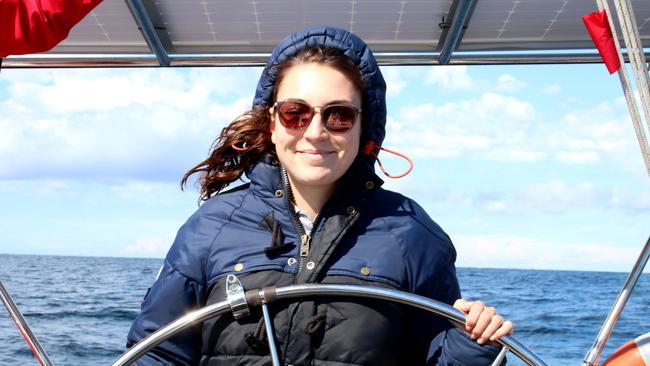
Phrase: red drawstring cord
pixel 369 149
pixel 237 148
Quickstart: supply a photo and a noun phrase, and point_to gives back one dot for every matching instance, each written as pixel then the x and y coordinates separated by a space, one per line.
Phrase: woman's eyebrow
pixel 295 100
pixel 336 101
pixel 339 101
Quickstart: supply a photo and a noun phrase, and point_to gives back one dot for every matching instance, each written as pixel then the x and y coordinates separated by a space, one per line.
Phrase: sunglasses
pixel 336 117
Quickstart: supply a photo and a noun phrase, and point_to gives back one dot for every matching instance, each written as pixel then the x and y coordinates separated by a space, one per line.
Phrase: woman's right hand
pixel 483 323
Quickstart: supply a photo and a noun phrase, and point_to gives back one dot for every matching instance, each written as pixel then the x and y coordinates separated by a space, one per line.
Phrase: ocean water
pixel 81 308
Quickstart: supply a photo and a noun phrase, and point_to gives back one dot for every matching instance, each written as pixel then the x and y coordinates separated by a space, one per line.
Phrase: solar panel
pixel 208 31
pixel 258 25
pixel 109 28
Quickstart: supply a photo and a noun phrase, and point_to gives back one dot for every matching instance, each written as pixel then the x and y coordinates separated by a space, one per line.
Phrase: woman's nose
pixel 315 129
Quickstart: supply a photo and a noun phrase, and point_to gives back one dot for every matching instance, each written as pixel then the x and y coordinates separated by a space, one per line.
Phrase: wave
pixel 99 314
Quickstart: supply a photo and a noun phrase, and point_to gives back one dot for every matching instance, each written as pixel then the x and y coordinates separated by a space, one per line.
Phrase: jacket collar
pixel 265 177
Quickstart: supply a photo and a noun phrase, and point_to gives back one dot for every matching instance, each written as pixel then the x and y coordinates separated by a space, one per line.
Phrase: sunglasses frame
pixel 357 111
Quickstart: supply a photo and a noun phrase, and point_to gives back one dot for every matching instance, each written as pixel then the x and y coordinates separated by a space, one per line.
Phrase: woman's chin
pixel 316 177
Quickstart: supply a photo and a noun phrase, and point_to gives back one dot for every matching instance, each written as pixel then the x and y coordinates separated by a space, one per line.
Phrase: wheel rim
pixel 318 290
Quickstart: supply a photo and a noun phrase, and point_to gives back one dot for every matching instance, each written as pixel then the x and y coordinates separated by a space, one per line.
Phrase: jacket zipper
pixel 305 238
pixel 304 250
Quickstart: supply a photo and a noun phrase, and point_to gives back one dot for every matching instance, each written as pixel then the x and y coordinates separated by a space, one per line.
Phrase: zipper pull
pixel 304 245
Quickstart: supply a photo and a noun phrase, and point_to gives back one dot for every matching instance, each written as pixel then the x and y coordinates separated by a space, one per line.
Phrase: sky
pixel 533 167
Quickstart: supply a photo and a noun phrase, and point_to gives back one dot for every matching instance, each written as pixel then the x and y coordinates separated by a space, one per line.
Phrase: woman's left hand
pixel 482 322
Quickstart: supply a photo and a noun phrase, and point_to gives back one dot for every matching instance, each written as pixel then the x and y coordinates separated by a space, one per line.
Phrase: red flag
pixel 30 26
pixel 601 34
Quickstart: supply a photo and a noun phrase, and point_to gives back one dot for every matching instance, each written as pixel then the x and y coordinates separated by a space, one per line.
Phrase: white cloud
pixel 582 157
pixel 39 187
pixel 579 144
pixel 145 192
pixel 507 83
pixel 620 102
pixel 227 113
pixel 492 126
pixel 497 127
pixel 602 133
pixel 48 92
pixel 495 206
pixel 552 89
pixel 150 246
pixel 115 124
pixel 455 78
pixel 513 107
pixel 87 90
pixel 134 189
pixel 518 155
pixel 395 83
pixel 502 251
pixel 556 196
pixel 638 201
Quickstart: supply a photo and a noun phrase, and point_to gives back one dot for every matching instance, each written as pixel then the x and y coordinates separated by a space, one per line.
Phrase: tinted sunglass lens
pixel 295 115
pixel 339 118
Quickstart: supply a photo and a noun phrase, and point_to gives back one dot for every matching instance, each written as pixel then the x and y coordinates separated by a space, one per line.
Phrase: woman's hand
pixel 482 322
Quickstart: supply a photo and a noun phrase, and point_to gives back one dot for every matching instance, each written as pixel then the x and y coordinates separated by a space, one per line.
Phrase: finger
pixel 473 315
pixel 495 323
pixel 482 322
pixel 463 305
pixel 506 328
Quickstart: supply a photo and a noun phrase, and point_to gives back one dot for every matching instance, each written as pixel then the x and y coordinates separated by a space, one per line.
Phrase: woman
pixel 312 212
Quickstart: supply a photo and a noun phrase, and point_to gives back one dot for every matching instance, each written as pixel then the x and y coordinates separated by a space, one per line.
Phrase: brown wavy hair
pixel 247 139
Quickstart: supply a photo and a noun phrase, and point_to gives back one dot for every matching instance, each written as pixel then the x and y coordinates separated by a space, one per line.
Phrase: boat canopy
pixel 400 32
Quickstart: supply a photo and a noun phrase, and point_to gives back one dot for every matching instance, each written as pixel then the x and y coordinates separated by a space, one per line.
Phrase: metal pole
pixel 77 60
pixel 268 324
pixel 23 327
pixel 638 63
pixel 593 356
pixel 465 8
pixel 502 354
pixel 149 31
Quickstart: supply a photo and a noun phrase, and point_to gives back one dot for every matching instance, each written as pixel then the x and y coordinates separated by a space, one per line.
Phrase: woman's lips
pixel 315 155
pixel 314 152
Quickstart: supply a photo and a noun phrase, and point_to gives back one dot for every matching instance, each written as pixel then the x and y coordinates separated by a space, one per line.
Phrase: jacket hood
pixel 374 98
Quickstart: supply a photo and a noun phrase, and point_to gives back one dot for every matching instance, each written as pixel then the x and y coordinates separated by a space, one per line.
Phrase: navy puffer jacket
pixel 364 235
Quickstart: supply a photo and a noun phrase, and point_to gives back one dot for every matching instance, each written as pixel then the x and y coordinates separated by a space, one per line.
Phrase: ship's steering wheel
pixel 240 301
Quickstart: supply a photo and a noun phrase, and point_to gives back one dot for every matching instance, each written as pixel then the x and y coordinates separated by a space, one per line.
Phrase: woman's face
pixel 313 156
